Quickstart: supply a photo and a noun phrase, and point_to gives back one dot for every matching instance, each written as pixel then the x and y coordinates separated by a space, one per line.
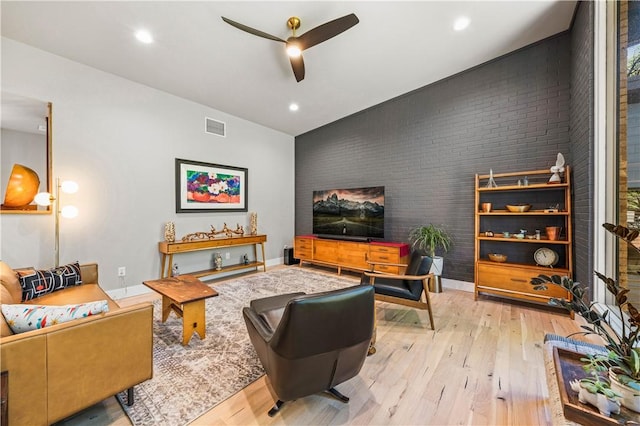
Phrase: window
pixel 628 139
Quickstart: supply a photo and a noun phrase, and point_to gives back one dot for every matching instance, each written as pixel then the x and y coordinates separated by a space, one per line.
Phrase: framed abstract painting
pixel 206 187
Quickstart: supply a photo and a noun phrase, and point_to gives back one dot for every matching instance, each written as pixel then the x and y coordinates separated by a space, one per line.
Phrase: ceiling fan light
pixel 293 51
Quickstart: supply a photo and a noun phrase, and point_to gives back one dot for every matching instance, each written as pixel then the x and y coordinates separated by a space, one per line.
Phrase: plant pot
pixel 630 397
pixel 437 265
pixel 435 284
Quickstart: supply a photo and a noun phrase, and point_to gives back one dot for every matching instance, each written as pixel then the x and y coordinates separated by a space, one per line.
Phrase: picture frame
pixel 206 187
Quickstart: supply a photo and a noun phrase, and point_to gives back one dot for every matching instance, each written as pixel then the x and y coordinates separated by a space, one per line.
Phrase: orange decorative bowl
pixel 518 208
pixel 497 257
pixel 22 187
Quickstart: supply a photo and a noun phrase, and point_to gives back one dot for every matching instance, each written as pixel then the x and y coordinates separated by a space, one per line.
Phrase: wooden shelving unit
pixel 511 279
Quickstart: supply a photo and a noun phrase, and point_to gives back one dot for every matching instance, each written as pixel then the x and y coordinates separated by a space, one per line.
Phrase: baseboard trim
pixel 457 285
pixel 140 289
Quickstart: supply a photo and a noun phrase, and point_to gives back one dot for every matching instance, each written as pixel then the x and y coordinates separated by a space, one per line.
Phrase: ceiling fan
pixel 295 45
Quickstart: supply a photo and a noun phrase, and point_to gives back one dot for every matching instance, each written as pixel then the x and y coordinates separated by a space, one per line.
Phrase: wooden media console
pixel 351 255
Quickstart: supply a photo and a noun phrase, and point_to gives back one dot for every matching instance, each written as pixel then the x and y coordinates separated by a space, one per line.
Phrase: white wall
pixel 119 140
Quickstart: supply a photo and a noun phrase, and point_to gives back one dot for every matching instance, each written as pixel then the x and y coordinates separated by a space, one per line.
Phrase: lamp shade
pixel 22 187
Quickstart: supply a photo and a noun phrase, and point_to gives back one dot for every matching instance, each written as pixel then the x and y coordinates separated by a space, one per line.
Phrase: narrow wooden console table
pixel 169 249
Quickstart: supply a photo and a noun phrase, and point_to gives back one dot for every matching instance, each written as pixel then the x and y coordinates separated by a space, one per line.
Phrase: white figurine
pixel 557 169
pixel 605 405
pixel 492 183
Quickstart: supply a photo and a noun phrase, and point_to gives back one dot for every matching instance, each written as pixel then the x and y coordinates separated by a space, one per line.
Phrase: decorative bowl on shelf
pixel 498 257
pixel 518 208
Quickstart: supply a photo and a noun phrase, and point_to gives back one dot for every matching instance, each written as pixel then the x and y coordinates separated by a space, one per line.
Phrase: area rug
pixel 190 380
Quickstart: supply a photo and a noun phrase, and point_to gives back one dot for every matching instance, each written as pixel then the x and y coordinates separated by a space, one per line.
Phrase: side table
pixel 185 296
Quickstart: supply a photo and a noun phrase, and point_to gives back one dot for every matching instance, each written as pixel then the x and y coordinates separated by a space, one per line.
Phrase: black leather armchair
pixel 311 343
pixel 409 288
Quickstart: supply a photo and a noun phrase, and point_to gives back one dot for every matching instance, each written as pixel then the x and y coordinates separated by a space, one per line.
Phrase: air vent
pixel 215 127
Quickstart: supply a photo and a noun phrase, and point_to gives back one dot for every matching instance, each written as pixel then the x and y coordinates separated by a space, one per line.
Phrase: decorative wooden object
pixel 569 367
pixel 351 255
pixel 213 233
pixel 511 279
pixel 169 249
pixel 185 296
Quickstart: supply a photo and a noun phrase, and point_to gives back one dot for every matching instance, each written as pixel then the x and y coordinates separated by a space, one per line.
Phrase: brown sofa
pixel 56 371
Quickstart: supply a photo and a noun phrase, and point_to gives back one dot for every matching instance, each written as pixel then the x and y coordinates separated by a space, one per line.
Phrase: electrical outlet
pixel 227 255
pixel 122 271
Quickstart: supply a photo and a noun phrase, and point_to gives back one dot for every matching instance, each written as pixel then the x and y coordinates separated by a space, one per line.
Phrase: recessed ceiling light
pixel 293 107
pixel 144 36
pixel 461 23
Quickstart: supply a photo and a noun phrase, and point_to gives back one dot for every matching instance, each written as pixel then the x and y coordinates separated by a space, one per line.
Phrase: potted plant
pixel 623 358
pixel 430 238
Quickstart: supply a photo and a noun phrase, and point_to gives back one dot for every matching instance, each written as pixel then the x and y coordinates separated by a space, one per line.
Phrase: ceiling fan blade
pixel 326 31
pixel 251 30
pixel 298 68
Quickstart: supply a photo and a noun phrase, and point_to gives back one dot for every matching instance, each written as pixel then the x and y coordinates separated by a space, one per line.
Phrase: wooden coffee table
pixel 185 296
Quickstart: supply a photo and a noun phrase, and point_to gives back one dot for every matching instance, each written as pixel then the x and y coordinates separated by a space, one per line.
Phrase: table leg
pixel 162 263
pixel 193 319
pixel 169 266
pixel 264 260
pixel 166 308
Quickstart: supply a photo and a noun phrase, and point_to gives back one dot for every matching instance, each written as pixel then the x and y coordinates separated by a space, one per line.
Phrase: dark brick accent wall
pixel 510 114
pixel 582 139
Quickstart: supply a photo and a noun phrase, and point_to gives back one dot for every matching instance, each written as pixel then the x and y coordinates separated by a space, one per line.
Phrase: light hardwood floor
pixel 482 365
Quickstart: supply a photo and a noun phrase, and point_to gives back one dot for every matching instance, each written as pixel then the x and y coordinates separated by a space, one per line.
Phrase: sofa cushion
pixel 84 293
pixel 9 280
pixel 36 283
pixel 23 317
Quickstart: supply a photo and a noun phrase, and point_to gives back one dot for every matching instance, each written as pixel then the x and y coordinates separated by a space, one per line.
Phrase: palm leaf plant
pixel 621 343
pixel 429 238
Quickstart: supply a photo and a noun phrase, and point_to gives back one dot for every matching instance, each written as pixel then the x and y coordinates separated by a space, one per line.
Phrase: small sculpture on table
pixel 169 232
pixel 217 261
pixel 253 224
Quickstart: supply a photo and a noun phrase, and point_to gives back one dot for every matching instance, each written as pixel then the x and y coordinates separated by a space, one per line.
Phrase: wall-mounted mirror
pixel 25 153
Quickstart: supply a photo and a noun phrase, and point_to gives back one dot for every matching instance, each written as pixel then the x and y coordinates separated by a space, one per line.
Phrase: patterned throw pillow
pixel 23 318
pixel 37 283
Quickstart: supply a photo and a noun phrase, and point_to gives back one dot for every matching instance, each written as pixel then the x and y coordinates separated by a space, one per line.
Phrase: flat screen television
pixel 353 212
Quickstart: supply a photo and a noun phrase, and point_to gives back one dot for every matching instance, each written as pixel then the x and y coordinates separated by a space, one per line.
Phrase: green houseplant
pixel 430 238
pixel 623 357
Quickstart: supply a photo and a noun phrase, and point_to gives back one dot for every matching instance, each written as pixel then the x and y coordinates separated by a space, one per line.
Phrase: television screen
pixel 355 212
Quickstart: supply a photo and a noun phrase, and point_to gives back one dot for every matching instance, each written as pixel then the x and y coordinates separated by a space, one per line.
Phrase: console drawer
pixel 517 280
pixel 303 248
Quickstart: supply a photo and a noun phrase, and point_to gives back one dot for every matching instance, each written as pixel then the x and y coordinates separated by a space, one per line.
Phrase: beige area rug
pixel 189 381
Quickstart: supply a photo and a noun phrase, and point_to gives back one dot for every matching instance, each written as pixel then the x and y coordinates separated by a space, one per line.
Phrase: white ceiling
pixel 397 47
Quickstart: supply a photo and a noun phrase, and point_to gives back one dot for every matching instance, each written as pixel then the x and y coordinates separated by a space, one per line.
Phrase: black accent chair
pixel 311 343
pixel 409 288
